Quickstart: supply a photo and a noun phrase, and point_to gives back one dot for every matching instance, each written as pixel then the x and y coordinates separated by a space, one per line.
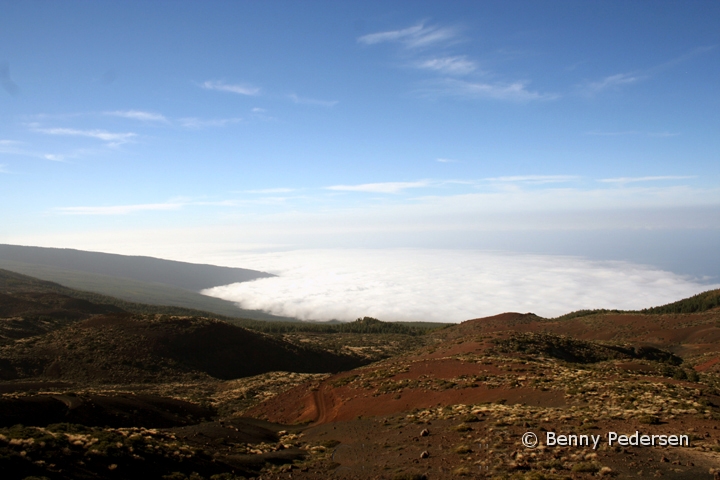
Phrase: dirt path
pixel 320 406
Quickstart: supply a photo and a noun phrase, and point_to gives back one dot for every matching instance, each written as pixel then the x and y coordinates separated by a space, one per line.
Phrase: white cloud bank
pixel 444 285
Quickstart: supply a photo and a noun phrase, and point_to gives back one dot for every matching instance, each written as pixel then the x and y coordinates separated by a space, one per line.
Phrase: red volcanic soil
pixel 707 365
pixel 461 406
pixel 329 405
pixel 445 368
pixel 684 334
pixel 425 380
pixel 452 372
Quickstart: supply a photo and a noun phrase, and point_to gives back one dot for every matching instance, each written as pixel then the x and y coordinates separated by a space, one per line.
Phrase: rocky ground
pixel 93 393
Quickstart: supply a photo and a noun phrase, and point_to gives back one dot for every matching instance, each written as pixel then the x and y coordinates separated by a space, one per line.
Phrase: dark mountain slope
pixel 29 307
pixel 146 280
pixel 122 348
pixel 189 276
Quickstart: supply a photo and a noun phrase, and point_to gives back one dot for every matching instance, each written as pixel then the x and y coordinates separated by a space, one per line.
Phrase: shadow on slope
pixel 189 276
pixel 128 290
pixel 99 410
pixel 579 351
pixel 129 349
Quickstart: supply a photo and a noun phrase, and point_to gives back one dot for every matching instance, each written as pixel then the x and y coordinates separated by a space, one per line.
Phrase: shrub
pixel 649 420
pixel 409 476
pixel 586 467
pixel 463 427
pixel 470 418
pixel 463 449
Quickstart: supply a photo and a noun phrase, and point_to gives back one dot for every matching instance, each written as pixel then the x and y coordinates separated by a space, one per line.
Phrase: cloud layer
pixel 445 285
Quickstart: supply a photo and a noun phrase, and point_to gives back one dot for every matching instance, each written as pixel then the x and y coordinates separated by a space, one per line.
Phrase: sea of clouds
pixel 445 285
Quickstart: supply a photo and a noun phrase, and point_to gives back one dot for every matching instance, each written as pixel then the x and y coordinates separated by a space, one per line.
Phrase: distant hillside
pixel 30 306
pixel 143 280
pixel 701 302
pixel 189 276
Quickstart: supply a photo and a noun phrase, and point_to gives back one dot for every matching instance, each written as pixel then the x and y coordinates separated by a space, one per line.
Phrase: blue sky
pixel 167 128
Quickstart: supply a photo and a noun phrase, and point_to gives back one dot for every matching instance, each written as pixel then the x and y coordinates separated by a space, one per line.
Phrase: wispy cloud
pixel 448 66
pixel 614 82
pixel 119 209
pixel 445 160
pixel 386 187
pixel 516 91
pixel 458 65
pixel 613 134
pixel 110 137
pixel 3 168
pixel 624 180
pixel 191 122
pixel 631 132
pixel 312 101
pixel 6 82
pixel 662 134
pixel 611 82
pixel 271 190
pixel 682 58
pixel 534 179
pixel 622 79
pixel 13 147
pixel 139 115
pixel 416 36
pixel 242 89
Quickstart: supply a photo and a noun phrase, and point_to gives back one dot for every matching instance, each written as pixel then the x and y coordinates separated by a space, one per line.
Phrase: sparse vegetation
pixel 365 325
pixel 701 302
pixel 512 373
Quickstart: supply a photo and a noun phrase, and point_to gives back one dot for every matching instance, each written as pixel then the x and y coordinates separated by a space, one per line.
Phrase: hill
pixel 124 349
pixel 133 279
pixel 701 302
pixel 188 276
pixel 459 406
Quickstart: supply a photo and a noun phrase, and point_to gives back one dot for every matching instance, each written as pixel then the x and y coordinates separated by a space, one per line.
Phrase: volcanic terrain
pixel 93 391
